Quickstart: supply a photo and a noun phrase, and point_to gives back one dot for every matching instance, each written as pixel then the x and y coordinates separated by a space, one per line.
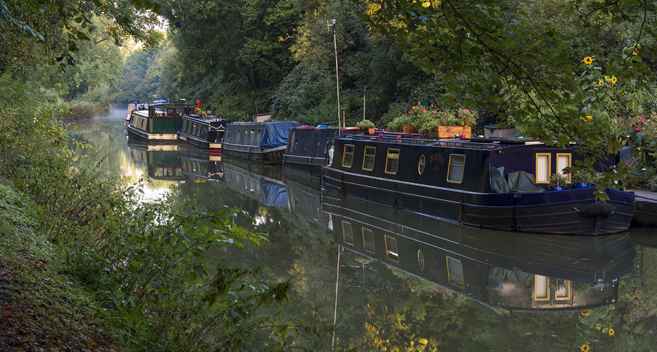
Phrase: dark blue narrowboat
pixel 500 269
pixel 256 141
pixel 308 149
pixel 475 183
pixel 264 183
pixel 205 132
pixel 200 164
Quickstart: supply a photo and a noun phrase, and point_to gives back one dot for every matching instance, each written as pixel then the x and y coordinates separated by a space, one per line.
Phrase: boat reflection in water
pixel 161 159
pixel 261 182
pixel 200 164
pixel 496 268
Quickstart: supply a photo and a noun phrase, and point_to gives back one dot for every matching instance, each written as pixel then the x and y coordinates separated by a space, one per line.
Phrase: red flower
pixel 638 130
pixel 641 122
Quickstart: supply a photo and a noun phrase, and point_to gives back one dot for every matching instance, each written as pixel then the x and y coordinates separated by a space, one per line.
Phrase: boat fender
pixel 599 208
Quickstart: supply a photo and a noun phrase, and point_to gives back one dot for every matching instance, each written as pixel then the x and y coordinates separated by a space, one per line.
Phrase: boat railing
pixel 401 139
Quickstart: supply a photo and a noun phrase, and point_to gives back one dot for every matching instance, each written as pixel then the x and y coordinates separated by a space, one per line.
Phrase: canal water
pixel 392 280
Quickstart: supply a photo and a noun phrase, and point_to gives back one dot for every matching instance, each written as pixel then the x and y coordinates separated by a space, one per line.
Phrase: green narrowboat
pixel 158 122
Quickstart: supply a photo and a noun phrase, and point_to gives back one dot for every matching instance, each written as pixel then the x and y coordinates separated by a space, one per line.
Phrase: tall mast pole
pixel 337 77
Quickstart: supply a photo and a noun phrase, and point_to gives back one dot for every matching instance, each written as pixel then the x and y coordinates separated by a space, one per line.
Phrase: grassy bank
pixel 85 255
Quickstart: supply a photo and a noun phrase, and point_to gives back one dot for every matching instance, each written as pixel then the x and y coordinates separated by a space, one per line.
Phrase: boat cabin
pixel 258 142
pixel 203 131
pixel 158 122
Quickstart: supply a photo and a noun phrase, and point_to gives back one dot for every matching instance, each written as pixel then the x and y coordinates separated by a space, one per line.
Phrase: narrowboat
pixel 499 269
pixel 204 132
pixel 200 164
pixel 258 142
pixel 263 183
pixel 158 122
pixel 308 149
pixel 500 184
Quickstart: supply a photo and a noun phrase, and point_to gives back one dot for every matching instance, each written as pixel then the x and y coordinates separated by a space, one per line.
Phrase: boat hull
pixel 213 148
pixel 566 212
pixel 253 153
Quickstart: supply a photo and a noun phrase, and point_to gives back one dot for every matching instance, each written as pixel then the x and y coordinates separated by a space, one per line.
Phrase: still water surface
pixel 407 282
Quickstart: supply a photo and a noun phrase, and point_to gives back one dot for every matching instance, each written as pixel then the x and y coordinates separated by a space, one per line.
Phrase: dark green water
pixel 407 282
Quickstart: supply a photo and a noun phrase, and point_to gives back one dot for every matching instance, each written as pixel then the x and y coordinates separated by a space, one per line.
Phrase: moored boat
pixel 258 142
pixel 466 182
pixel 158 122
pixel 204 132
pixel 308 149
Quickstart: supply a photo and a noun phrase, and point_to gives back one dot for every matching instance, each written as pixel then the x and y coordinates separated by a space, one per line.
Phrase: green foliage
pixel 365 124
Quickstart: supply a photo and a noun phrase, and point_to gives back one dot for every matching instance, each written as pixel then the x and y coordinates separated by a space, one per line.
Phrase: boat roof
pixel 474 143
pixel 210 120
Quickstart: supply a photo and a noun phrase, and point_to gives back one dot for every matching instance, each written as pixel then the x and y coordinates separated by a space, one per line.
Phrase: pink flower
pixel 409 112
pixel 641 122
pixel 632 124
pixel 638 130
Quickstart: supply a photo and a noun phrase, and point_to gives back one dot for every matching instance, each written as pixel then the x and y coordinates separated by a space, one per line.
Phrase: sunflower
pixel 611 332
pixel 426 4
pixel 614 80
pixel 634 53
pixel 599 326
pixel 588 60
pixel 585 348
pixel 606 78
pixel 601 82
pixel 586 313
pixel 605 330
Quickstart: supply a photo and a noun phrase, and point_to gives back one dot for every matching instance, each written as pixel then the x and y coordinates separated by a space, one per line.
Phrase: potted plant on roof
pixel 583 179
pixel 366 126
pixel 398 123
pixel 558 181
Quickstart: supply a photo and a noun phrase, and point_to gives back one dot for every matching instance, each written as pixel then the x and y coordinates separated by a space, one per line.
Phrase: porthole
pixel 420 257
pixel 421 164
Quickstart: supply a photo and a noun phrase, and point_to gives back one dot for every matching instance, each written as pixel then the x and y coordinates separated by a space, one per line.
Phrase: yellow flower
pixel 585 348
pixel 586 312
pixel 608 324
pixel 424 341
pixel 587 118
pixel 601 83
pixel 426 4
pixel 412 343
pixel 588 60
pixel 614 80
pixel 604 331
pixel 599 326
pixel 606 78
pixel 634 53
pixel 611 332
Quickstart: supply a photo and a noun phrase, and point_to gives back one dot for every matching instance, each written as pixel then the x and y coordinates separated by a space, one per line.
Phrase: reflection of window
pixel 455 169
pixel 368 240
pixel 348 155
pixel 368 158
pixel 454 271
pixel 541 288
pixel 543 167
pixel 347 232
pixel 562 290
pixel 421 164
pixel 420 258
pixel 563 161
pixel 392 251
pixel 305 145
pixel 392 161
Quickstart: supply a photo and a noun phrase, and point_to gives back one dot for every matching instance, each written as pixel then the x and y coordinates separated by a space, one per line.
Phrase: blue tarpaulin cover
pixel 273 194
pixel 275 134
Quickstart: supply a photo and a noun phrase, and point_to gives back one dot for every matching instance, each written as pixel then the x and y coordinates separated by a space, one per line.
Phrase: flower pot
pixel 452 131
pixel 582 185
pixel 370 130
pixel 408 129
pixel 557 188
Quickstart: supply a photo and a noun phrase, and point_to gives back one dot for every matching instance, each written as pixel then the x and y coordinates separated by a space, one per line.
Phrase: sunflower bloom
pixel 634 53
pixel 426 4
pixel 424 341
pixel 611 332
pixel 599 326
pixel 601 82
pixel 586 312
pixel 608 324
pixel 614 80
pixel 585 348
pixel 588 60
pixel 605 330
pixel 606 78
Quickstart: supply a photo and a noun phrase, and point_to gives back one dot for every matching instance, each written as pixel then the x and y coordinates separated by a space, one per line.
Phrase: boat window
pixel 543 161
pixel 259 135
pixel 368 240
pixel 563 161
pixel 368 158
pixel 142 122
pixel 392 252
pixel 168 112
pixel 455 168
pixel 296 144
pixel 252 139
pixel 237 136
pixel 455 272
pixel 194 129
pixel 205 132
pixel 541 288
pixel 326 144
pixel 184 126
pixel 421 164
pixel 347 232
pixel 562 290
pixel 392 161
pixel 305 145
pixel 348 155
pixel 293 138
pixel 228 134
pixel 420 258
